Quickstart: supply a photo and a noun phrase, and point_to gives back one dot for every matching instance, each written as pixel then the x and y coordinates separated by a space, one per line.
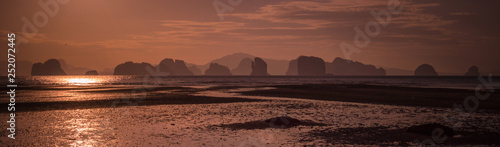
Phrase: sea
pixel 69 88
pixel 453 82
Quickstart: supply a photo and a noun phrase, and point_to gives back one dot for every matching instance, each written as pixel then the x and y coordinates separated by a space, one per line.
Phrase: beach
pixel 330 115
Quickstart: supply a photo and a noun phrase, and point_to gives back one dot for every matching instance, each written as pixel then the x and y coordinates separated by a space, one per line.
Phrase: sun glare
pixel 81 81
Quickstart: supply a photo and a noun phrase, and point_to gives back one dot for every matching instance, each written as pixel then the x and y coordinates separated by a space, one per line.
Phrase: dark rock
pixel 307 66
pixel 425 70
pixel 283 122
pixel 244 68
pixel 473 71
pixel 310 66
pixel 130 68
pixel 174 68
pixel 278 122
pixel 343 67
pixel 259 67
pixel 92 72
pixel 292 68
pixel 217 70
pixel 275 67
pixel 50 67
pixel 427 129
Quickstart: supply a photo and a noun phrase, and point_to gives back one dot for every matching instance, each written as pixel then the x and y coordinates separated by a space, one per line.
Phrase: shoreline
pixel 376 94
pixel 357 93
pixel 189 116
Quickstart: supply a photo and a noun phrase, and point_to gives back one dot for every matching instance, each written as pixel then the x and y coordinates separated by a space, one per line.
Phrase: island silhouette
pixel 131 68
pixel 49 67
pixel 174 67
pixel 217 70
pixel 425 70
pixel 473 71
pixel 243 66
pixel 343 67
pixel 259 67
pixel 91 72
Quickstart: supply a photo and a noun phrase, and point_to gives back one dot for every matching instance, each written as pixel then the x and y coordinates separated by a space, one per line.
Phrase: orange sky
pixel 451 35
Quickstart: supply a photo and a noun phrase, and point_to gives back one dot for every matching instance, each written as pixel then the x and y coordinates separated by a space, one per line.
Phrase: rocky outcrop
pixel 49 67
pixel 195 70
pixel 310 66
pixel 283 122
pixel 425 70
pixel 275 67
pixel 473 71
pixel 259 67
pixel 217 70
pixel 244 68
pixel 174 68
pixel 343 67
pixel 130 68
pixel 91 72
pixel 292 68
pixel 427 129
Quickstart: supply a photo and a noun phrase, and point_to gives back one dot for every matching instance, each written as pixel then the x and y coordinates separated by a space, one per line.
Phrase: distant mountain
pixel 106 71
pixel 398 72
pixel 245 67
pixel 275 67
pixel 195 70
pixel 73 70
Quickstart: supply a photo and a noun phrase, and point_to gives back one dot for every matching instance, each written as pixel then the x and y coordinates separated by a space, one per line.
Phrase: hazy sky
pixel 451 35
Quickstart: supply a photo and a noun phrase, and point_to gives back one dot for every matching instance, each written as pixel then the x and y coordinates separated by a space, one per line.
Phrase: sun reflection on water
pixel 81 81
pixel 78 80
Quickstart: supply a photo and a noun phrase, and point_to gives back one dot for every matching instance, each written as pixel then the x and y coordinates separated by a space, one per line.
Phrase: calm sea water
pixel 409 81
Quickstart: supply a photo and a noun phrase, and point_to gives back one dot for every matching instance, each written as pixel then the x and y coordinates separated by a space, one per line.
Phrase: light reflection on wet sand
pixel 88 127
pixel 196 124
pixel 193 125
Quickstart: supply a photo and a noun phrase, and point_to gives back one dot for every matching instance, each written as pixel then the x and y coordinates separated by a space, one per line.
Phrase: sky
pixel 451 35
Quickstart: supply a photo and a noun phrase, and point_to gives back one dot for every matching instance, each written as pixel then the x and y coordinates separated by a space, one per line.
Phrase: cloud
pixel 345 14
pixel 462 13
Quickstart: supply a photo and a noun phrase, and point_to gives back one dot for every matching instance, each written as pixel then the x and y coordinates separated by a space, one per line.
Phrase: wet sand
pixel 389 95
pixel 219 116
